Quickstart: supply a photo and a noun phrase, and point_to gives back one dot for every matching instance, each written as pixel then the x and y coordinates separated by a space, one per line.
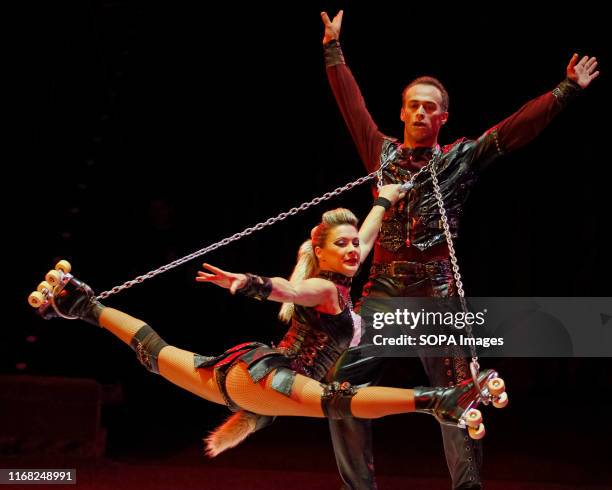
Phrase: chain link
pixel 237 236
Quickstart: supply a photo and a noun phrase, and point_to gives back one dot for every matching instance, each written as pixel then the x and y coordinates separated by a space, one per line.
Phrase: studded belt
pixel 399 268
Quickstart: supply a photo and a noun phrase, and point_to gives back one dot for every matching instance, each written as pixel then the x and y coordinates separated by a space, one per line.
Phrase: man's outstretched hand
pixel 581 72
pixel 332 27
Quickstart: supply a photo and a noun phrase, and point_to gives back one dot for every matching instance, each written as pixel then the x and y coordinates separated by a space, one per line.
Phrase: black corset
pixel 315 340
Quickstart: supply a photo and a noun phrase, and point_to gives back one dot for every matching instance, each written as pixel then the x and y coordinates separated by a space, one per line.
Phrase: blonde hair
pixel 307 264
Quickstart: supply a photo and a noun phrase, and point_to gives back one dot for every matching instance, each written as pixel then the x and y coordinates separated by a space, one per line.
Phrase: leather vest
pixel 415 221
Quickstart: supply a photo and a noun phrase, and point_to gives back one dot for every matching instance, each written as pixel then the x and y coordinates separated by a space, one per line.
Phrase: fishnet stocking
pixel 177 366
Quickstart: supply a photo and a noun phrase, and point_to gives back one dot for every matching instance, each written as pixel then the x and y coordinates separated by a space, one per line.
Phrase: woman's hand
pixel 221 278
pixel 391 192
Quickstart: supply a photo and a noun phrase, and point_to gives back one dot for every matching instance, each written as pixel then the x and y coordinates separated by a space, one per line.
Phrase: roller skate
pixel 456 406
pixel 63 295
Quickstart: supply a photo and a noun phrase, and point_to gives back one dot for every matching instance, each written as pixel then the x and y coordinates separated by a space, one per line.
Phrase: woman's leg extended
pixel 174 364
pixel 307 394
pixel 177 366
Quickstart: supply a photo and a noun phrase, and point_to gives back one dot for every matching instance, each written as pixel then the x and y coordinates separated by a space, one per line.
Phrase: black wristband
pixel 256 287
pixel 382 201
pixel 566 91
pixel 333 53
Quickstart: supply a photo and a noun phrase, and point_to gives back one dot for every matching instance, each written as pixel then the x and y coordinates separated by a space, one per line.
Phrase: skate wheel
pixel 36 299
pixel 496 386
pixel 477 433
pixel 54 278
pixel 64 266
pixel 473 418
pixel 44 285
pixel 501 401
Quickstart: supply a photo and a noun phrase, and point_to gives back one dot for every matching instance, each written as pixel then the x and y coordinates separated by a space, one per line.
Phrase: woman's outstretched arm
pixel 310 292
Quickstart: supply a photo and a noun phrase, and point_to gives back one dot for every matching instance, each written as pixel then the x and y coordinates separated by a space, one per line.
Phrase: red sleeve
pixel 524 125
pixel 364 131
pixel 528 122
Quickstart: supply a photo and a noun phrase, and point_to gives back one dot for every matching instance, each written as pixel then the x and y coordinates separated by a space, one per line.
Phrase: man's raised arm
pixel 529 121
pixel 364 131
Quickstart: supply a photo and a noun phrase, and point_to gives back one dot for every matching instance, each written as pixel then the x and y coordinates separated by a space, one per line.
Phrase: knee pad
pixel 147 345
pixel 336 400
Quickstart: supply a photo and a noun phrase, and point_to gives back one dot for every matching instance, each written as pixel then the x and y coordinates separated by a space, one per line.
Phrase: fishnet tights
pixel 177 366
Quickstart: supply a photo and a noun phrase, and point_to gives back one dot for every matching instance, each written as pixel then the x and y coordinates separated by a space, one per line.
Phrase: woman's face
pixel 341 252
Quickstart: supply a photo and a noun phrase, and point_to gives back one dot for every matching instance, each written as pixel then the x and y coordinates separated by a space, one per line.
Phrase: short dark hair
pixel 428 81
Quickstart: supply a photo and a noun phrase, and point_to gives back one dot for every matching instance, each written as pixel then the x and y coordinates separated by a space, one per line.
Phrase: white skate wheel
pixel 44 285
pixel 64 266
pixel 473 418
pixel 477 433
pixel 501 401
pixel 496 386
pixel 36 299
pixel 54 277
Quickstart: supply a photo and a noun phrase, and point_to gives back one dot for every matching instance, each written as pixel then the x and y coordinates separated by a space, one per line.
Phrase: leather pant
pixel 352 438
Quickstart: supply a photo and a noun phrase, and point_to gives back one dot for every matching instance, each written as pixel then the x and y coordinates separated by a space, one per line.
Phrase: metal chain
pixel 449 239
pixel 379 174
pixel 406 186
pixel 237 236
pixel 453 256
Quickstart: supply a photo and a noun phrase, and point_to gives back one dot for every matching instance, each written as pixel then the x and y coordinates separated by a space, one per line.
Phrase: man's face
pixel 422 114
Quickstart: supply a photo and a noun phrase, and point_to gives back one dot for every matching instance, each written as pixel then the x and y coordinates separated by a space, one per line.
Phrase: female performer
pixel 256 380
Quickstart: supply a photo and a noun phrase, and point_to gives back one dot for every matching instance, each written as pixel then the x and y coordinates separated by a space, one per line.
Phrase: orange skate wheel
pixel 36 299
pixel 496 386
pixel 473 418
pixel 54 277
pixel 64 266
pixel 44 285
pixel 477 433
pixel 501 401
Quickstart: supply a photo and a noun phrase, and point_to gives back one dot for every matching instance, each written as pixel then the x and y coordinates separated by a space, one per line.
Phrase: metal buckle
pixel 399 268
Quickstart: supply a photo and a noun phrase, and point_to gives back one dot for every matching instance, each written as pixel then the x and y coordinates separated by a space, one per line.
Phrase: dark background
pixel 145 131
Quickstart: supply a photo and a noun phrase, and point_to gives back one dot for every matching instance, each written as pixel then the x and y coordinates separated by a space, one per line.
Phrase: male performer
pixel 411 257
